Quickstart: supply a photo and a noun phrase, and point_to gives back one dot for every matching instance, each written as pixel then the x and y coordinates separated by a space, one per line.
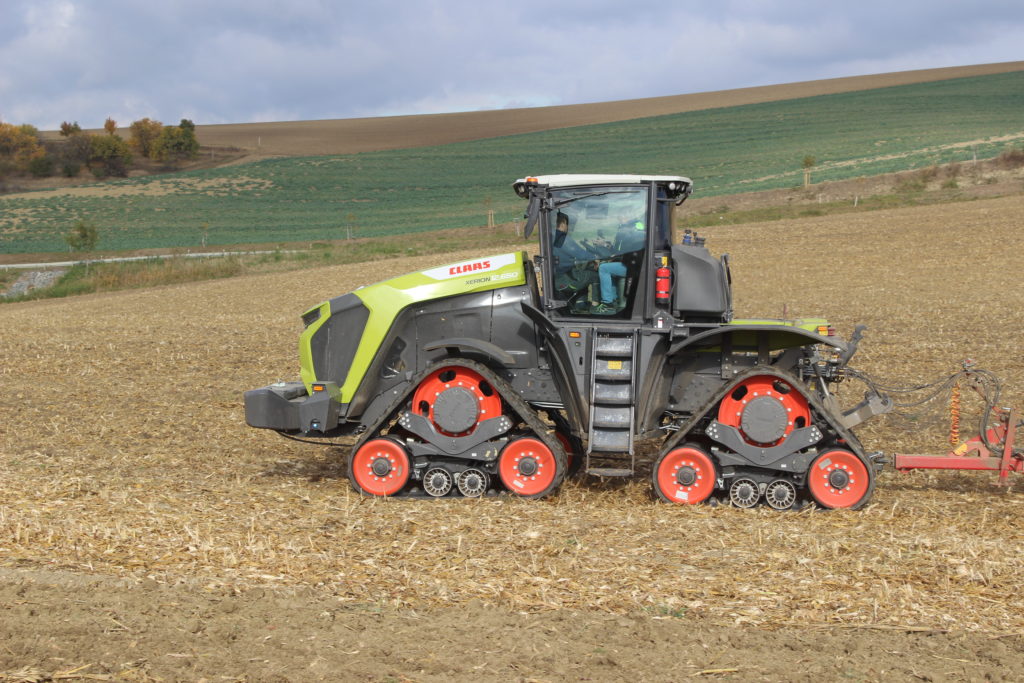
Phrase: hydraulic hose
pixel 989 386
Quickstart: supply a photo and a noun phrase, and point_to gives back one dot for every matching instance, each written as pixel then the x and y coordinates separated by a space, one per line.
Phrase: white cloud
pixel 247 60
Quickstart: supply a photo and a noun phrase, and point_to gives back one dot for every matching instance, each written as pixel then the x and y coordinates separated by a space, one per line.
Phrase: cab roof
pixel 572 179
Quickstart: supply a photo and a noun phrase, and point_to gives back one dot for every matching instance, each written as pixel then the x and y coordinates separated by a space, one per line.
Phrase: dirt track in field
pixel 147 533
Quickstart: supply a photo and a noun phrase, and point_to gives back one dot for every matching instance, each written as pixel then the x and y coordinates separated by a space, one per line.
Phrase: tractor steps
pixel 610 471
pixel 612 395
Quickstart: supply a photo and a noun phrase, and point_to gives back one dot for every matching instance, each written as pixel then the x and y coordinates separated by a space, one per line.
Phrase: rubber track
pixel 522 410
pixel 845 434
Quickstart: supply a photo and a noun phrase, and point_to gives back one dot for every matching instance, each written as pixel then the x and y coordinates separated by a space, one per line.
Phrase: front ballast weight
pixel 461 431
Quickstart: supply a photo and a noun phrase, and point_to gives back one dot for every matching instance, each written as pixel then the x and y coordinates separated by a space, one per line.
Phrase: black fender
pixel 468 345
pixel 765 338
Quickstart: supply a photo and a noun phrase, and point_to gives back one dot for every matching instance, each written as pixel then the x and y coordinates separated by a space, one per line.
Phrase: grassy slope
pixel 350 136
pixel 752 147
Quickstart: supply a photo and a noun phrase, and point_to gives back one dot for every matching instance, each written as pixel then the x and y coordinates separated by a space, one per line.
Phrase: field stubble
pixel 125 453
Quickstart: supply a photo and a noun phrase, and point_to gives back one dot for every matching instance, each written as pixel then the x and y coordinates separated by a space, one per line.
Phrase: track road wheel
pixel 438 482
pixel 380 467
pixel 528 468
pixel 839 479
pixel 744 493
pixel 473 483
pixel 780 494
pixel 685 476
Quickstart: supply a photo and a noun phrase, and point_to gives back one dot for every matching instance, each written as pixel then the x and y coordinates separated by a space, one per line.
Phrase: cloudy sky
pixel 233 61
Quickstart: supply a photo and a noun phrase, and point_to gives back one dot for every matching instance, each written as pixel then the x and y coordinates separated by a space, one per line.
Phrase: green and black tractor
pixel 507 373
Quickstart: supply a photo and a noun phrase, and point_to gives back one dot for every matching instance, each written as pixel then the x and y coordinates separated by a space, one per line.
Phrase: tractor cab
pixel 616 294
pixel 606 249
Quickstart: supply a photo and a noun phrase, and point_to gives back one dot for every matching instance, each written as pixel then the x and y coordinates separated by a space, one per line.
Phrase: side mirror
pixel 532 216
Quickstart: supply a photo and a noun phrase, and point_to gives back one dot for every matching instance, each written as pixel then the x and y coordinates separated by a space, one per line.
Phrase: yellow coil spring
pixel 954 416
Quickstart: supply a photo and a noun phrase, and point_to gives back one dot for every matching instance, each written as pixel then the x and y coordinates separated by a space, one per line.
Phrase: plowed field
pixel 147 533
pixel 347 136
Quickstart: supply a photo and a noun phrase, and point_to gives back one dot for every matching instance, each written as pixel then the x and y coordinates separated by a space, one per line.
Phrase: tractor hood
pixel 372 309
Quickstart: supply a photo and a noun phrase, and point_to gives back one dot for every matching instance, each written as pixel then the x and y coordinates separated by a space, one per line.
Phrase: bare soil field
pixel 147 534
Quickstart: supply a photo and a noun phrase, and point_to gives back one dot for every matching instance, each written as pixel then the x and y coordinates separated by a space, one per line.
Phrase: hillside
pixel 728 150
pixel 349 136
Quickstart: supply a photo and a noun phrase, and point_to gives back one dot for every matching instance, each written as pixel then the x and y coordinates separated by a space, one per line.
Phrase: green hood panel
pixel 806 324
pixel 749 333
pixel 387 299
pixel 779 336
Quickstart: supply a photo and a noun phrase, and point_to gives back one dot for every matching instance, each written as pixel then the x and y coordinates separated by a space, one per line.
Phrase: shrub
pixel 176 142
pixel 69 129
pixel 144 134
pixel 42 167
pixel 910 182
pixel 1011 158
pixel 19 145
pixel 77 149
pixel 82 237
pixel 112 154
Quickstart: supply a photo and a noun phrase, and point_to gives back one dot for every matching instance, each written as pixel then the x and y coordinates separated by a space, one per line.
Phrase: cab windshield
pixel 596 240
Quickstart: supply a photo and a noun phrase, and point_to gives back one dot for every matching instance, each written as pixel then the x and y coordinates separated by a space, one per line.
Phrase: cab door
pixel 594 242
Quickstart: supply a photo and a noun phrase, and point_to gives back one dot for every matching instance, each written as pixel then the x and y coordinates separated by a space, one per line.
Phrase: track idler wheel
pixel 528 468
pixel 684 475
pixel 839 479
pixel 380 467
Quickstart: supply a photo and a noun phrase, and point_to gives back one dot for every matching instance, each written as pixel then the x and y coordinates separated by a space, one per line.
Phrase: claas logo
pixel 469 267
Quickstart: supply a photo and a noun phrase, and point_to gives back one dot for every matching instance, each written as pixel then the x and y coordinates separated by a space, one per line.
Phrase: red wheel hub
pixel 527 467
pixel 838 479
pixel 455 399
pixel 380 467
pixel 765 410
pixel 685 476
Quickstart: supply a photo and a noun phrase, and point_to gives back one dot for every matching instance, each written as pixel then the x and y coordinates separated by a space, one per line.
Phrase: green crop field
pixel 737 149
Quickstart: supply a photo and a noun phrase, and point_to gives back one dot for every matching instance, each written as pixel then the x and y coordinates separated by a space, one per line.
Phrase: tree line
pixel 24 152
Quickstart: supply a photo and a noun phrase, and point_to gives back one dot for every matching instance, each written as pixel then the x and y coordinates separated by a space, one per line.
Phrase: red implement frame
pixel 973 454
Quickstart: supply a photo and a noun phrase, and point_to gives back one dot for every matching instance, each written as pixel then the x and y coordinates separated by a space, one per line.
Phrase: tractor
pixel 506 374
